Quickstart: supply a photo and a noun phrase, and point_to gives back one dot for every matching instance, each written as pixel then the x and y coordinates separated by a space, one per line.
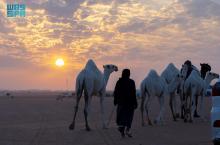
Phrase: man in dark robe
pixel 125 99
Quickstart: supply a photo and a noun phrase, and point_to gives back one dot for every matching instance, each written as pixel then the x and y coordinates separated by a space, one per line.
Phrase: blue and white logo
pixel 16 10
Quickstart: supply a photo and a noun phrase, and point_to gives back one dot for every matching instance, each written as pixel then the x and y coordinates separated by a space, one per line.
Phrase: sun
pixel 59 62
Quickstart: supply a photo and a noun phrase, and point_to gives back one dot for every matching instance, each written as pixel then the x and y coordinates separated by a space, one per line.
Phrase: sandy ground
pixel 42 120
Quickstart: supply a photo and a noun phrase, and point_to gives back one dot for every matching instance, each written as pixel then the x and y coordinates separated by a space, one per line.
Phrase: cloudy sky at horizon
pixel 136 34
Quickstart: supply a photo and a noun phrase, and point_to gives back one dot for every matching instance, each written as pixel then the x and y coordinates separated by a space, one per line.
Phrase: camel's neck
pixel 203 74
pixel 208 81
pixel 106 76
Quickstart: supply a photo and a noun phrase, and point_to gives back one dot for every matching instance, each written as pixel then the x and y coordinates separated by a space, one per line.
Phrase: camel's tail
pixel 79 86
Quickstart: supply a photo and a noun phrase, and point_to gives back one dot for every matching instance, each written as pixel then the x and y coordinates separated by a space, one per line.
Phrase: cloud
pixel 168 29
pixel 33 36
pixel 59 8
pixel 149 34
pixel 11 62
pixel 202 8
pixel 216 1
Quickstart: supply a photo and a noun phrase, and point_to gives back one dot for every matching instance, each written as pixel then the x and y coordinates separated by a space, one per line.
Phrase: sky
pixel 137 34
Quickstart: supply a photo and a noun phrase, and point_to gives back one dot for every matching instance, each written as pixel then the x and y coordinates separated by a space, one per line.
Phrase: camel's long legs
pixel 186 110
pixel 102 95
pixel 192 105
pixel 87 109
pixel 196 110
pixel 78 97
pixel 143 98
pixel 182 100
pixel 183 105
pixel 162 108
pixel 147 107
pixel 201 106
pixel 172 105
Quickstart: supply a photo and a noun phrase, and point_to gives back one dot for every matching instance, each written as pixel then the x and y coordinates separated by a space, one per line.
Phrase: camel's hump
pixel 171 66
pixel 153 73
pixel 195 73
pixel 90 64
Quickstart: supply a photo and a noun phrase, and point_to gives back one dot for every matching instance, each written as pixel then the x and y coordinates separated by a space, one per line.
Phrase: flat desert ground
pixel 42 120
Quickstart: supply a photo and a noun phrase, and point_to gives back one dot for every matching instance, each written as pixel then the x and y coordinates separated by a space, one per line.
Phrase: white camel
pixel 195 86
pixel 184 71
pixel 153 85
pixel 91 81
pixel 169 74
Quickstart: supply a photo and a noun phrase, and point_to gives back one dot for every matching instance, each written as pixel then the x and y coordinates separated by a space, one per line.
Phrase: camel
pixel 195 86
pixel 92 81
pixel 183 72
pixel 169 74
pixel 204 69
pixel 154 85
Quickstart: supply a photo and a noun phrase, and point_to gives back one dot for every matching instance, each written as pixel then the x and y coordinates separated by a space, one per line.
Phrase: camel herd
pixel 160 86
pixel 91 81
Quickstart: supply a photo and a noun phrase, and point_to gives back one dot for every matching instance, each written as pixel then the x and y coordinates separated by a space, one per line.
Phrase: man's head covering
pixel 125 73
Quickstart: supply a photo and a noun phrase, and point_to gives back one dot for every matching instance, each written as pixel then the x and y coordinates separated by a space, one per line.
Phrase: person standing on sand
pixel 125 99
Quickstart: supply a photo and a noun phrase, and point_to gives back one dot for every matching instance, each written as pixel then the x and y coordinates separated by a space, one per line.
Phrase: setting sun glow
pixel 59 62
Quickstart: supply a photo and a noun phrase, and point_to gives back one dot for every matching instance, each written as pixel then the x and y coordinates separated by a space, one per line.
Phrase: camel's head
pixel 212 75
pixel 204 68
pixel 110 67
